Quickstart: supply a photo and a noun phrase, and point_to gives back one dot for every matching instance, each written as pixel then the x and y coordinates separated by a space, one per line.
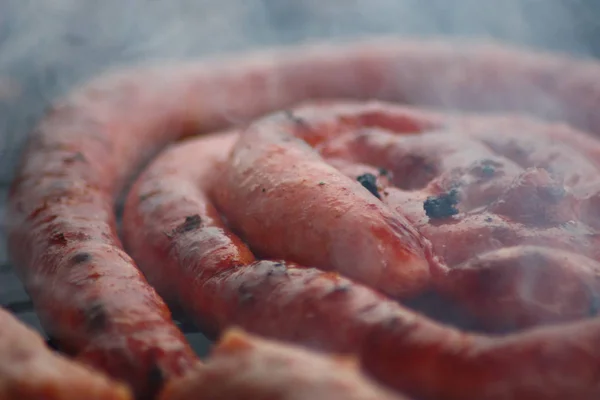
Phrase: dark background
pixel 47 46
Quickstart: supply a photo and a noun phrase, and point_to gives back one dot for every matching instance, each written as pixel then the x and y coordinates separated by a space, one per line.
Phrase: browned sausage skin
pixel 245 366
pixel 29 370
pixel 88 292
pixel 173 230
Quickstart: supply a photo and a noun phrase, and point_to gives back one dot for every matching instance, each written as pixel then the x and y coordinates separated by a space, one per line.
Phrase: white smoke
pixel 48 45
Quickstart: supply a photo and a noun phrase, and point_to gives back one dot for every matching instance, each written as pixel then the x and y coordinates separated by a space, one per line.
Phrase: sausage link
pixel 245 366
pixel 31 371
pixel 62 227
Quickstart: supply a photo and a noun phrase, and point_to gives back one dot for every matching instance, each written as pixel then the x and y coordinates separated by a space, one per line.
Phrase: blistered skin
pixel 517 183
pixel 173 230
pixel 244 366
pixel 505 196
pixel 290 204
pixel 31 371
pixel 522 285
pixel 88 292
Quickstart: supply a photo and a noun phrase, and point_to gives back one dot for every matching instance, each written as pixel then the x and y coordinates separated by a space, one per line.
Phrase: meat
pixel 62 228
pixel 287 202
pixel 243 366
pixel 31 371
pixel 526 286
pixel 171 226
pixel 91 297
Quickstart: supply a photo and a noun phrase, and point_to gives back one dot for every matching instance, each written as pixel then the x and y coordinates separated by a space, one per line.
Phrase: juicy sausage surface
pixel 62 228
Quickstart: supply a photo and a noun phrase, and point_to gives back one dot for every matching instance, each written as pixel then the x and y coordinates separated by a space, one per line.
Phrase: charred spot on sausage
pixel 58 239
pixel 191 223
pixel 145 196
pixel 369 182
pixel 80 258
pixel 383 172
pixel 487 168
pixel 442 206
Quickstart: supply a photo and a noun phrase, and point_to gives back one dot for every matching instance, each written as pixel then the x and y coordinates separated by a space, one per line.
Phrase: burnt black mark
pixel 147 195
pixel 442 206
pixel 96 317
pixel 369 182
pixel 488 169
pixel 383 172
pixel 191 223
pixel 58 239
pixel 144 197
pixel 80 258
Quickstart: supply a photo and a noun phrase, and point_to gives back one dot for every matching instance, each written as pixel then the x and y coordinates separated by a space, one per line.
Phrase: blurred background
pixel 47 46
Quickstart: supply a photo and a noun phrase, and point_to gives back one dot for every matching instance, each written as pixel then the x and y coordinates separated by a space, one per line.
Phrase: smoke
pixel 46 46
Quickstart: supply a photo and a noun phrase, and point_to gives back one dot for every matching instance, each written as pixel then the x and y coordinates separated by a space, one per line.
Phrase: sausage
pixel 31 371
pixel 245 366
pixel 473 187
pixel 88 292
pixel 174 231
pixel 62 228
pixel 288 203
pixel 304 212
